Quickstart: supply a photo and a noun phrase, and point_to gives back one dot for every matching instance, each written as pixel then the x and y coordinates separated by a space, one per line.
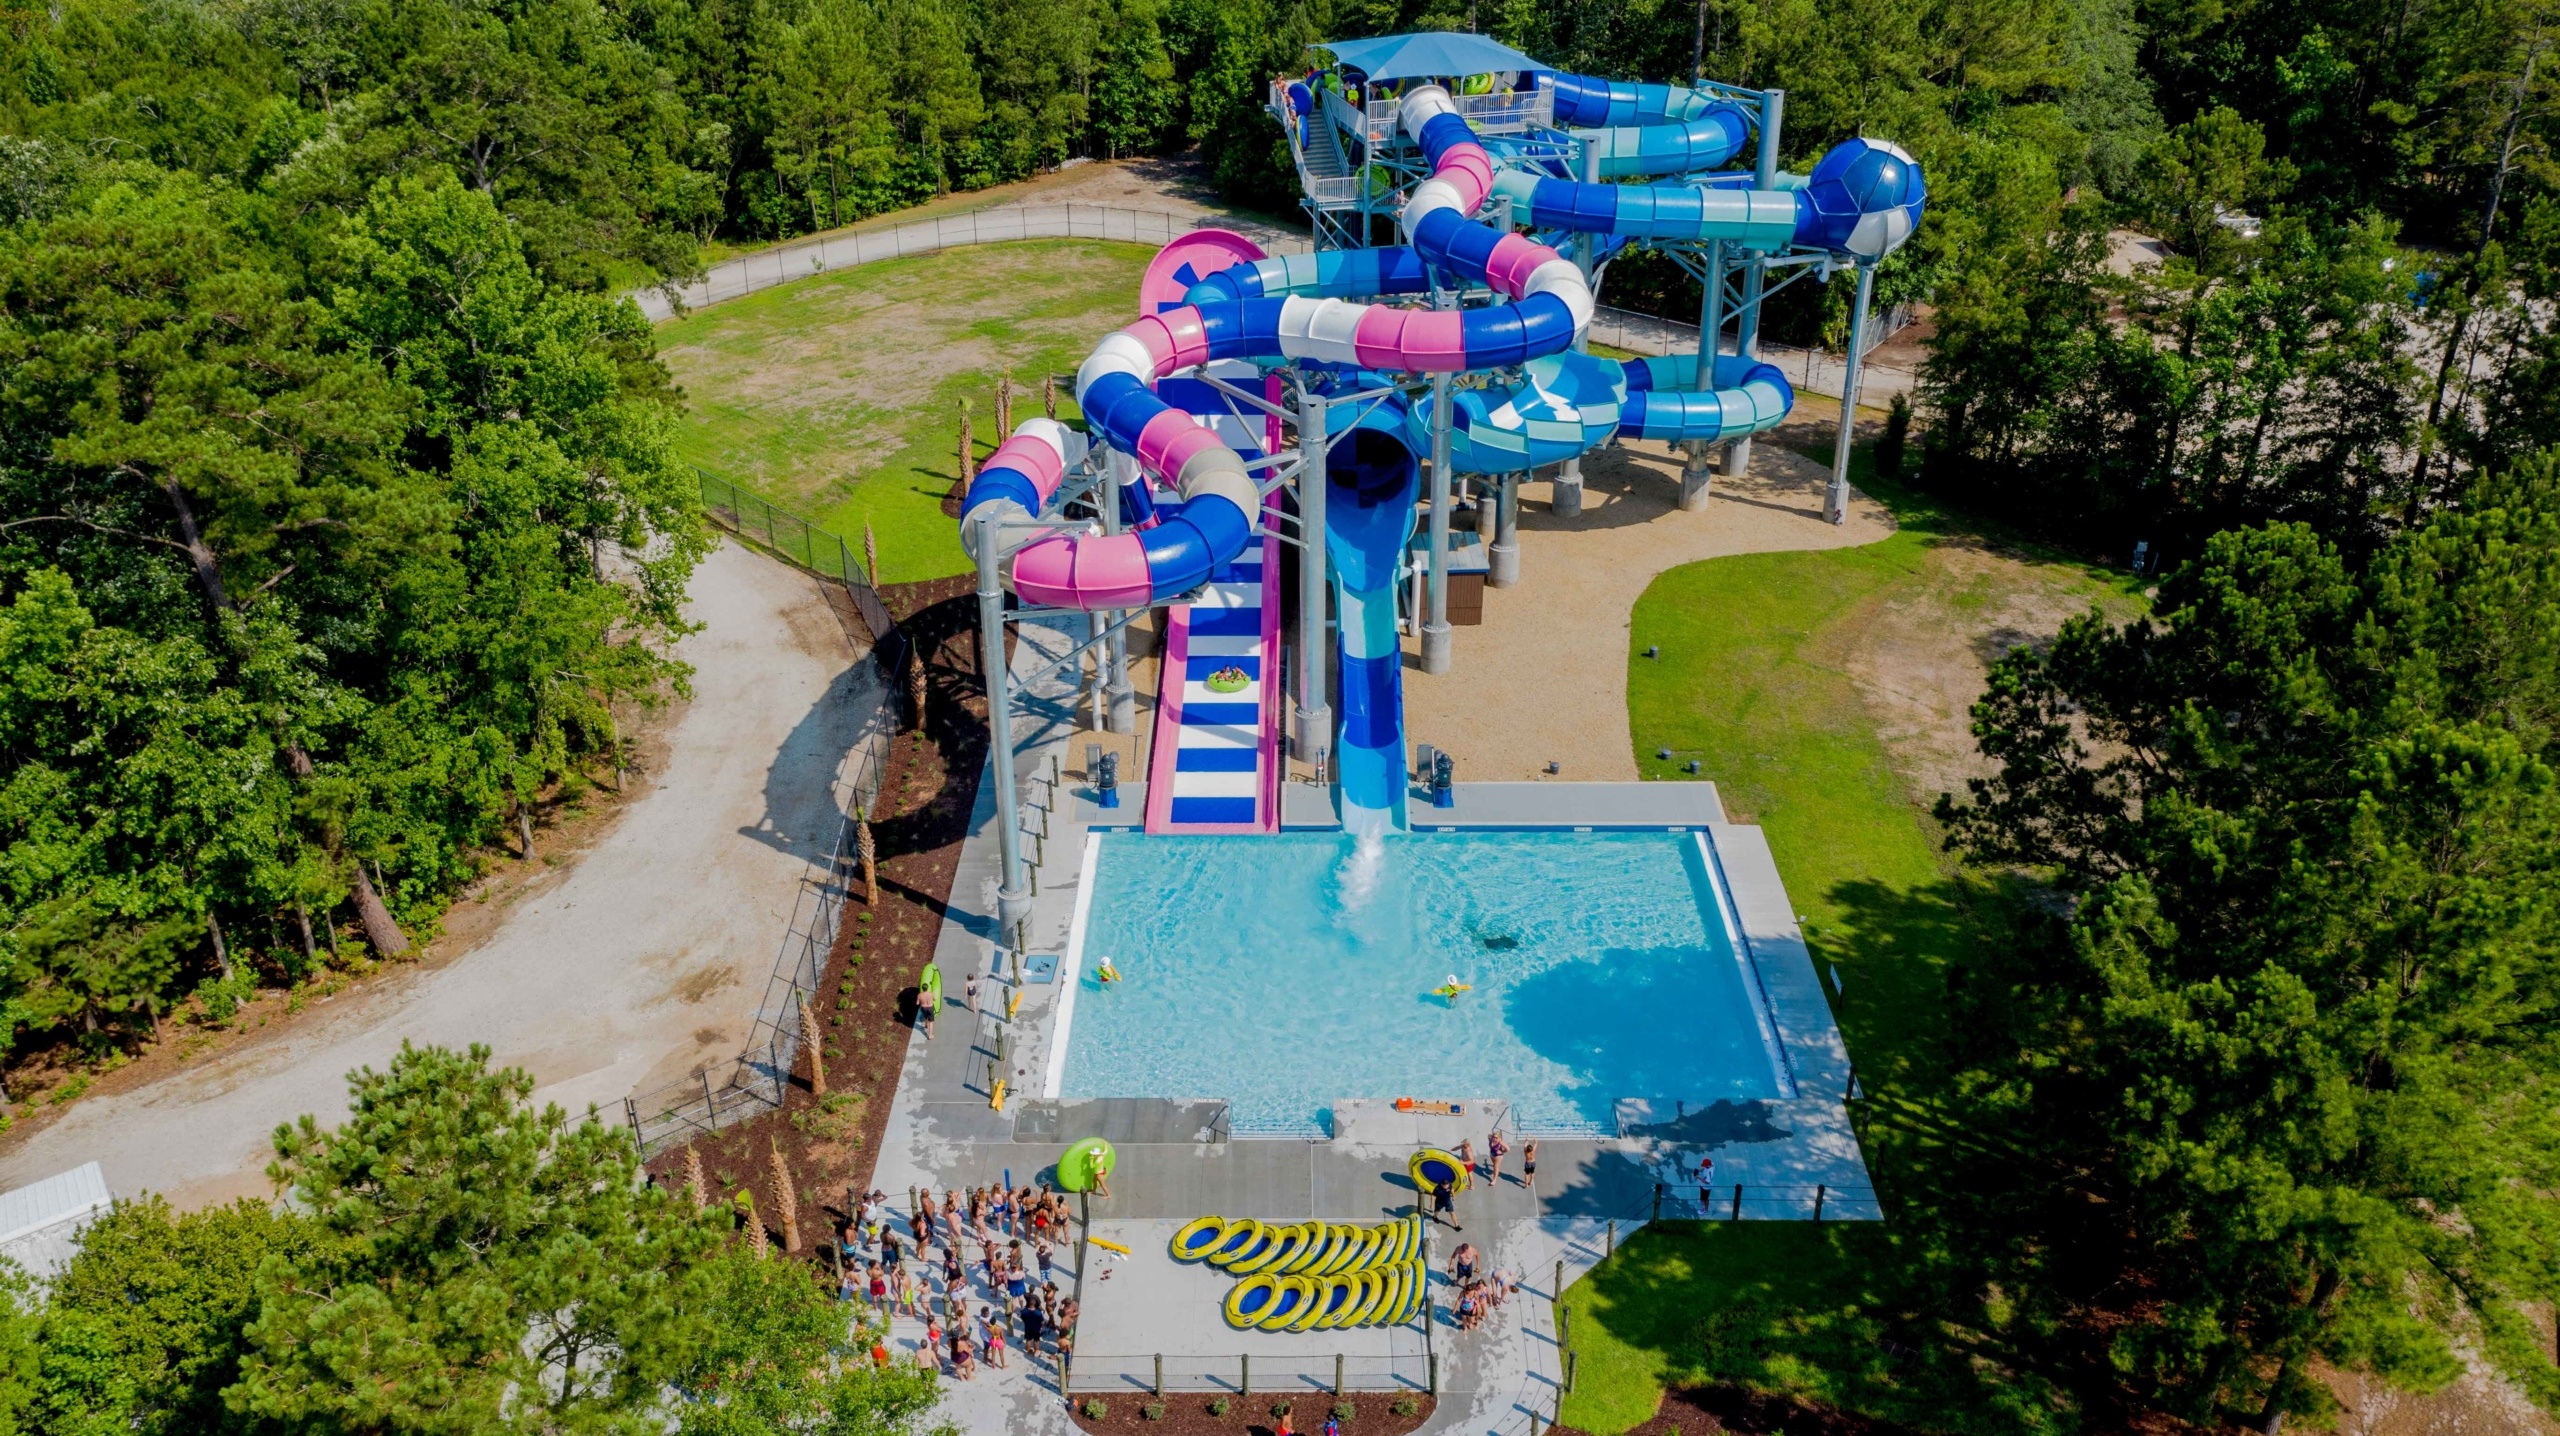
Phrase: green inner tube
pixel 1083 1164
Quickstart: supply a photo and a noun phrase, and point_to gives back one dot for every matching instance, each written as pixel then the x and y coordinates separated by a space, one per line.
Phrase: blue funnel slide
pixel 1371 482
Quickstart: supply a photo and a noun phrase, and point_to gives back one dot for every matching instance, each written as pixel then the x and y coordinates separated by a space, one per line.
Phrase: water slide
pixel 1863 198
pixel 1372 480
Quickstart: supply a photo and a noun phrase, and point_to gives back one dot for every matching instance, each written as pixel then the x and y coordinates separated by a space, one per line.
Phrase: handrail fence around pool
pixel 1256 1375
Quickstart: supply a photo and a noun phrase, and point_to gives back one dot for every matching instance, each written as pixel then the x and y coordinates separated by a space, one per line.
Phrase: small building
pixel 41 1223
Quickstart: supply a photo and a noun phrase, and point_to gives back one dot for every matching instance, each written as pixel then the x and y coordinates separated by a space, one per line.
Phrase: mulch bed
pixel 867 993
pixel 1186 1413
pixel 1700 1410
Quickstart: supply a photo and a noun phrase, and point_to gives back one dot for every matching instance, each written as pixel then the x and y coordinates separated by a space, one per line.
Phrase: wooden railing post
pixel 1820 1190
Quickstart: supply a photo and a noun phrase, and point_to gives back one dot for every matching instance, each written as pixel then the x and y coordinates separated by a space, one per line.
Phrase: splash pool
pixel 1284 973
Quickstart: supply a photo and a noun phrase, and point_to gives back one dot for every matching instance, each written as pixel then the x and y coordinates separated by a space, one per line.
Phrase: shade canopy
pixel 1434 53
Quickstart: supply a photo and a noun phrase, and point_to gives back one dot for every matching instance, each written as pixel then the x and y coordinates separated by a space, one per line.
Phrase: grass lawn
pixel 1760 676
pixel 839 396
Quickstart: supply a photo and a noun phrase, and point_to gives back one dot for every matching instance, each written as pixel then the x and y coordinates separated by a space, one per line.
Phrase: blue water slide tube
pixel 1372 478
pixel 1863 199
pixel 1664 400
pixel 1650 129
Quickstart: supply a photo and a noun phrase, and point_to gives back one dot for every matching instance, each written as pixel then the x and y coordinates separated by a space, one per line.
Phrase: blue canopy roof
pixel 1447 52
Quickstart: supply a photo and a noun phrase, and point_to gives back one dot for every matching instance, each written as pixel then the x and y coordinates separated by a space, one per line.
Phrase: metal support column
pixel 1435 626
pixel 1503 558
pixel 1568 483
pixel 1698 473
pixel 1836 507
pixel 1315 711
pixel 1013 893
pixel 1755 269
pixel 1123 699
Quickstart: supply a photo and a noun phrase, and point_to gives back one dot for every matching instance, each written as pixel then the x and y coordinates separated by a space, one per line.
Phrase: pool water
pixel 1284 973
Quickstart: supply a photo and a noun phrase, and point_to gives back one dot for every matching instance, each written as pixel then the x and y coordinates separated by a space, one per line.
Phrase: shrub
pixel 1220 1406
pixel 1897 436
pixel 1279 1409
pixel 1405 1406
pixel 1095 1409
pixel 1343 1411
pixel 1152 1411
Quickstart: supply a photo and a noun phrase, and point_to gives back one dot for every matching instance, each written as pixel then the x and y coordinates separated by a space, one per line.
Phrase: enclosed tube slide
pixel 1865 198
pixel 1551 302
pixel 1372 479
pixel 1650 129
pixel 1570 402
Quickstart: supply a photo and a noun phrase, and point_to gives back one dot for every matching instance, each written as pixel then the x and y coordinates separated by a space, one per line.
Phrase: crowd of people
pixel 974 1311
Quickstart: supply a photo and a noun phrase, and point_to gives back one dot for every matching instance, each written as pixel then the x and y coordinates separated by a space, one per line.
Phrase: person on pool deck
pixel 1529 1165
pixel 1706 1180
pixel 1495 1149
pixel 1462 1263
pixel 1444 1203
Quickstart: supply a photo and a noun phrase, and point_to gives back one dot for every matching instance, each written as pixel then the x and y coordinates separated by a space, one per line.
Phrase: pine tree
pixel 786 1201
pixel 817 1059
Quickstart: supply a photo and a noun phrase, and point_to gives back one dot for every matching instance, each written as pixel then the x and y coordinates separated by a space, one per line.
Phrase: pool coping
pixel 1532 807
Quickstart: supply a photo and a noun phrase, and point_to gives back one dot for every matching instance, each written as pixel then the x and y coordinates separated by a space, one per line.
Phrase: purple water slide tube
pixel 1550 304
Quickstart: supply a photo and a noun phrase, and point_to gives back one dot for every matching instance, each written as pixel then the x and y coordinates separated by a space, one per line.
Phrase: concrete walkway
pixel 642 963
pixel 1175 1162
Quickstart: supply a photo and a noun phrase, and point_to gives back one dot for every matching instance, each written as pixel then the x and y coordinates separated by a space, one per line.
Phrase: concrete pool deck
pixel 1177 1159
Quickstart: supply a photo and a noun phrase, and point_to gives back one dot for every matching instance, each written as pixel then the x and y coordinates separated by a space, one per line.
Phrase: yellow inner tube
pixel 1339 1293
pixel 1365 1298
pixel 1245 1292
pixel 1417 1290
pixel 1315 1305
pixel 1234 1240
pixel 1198 1238
pixel 1337 1249
pixel 1288 1303
pixel 1431 1166
pixel 1260 1256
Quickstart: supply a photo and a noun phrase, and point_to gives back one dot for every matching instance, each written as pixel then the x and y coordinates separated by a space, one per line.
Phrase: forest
pixel 339 528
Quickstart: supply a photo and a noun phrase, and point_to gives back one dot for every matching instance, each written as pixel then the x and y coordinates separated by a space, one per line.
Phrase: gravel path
pixel 641 963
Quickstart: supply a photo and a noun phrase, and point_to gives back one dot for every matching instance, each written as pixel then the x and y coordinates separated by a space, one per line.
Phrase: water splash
pixel 1361 872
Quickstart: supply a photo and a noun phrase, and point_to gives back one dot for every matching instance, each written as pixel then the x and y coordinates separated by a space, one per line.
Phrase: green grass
pixel 1754 680
pixel 839 395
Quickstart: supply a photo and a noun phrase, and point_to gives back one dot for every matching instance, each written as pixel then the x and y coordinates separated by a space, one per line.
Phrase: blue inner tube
pixel 1437 1172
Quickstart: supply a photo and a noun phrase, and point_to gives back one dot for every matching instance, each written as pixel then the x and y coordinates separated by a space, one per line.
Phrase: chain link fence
pixel 757 1079
pixel 1813 371
pixel 1001 224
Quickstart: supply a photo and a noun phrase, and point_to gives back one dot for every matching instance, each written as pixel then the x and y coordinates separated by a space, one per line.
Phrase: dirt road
pixel 643 962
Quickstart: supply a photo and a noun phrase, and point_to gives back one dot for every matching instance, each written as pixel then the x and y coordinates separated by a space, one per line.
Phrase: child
pixel 1529 1165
